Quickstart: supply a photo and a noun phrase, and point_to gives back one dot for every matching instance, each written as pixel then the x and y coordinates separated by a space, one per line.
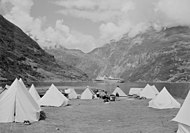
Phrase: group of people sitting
pixel 104 95
pixel 98 93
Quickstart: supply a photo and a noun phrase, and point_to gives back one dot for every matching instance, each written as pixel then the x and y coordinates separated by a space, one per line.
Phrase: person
pixel 106 97
pixel 117 94
pixel 98 93
pixel 106 100
pixel 102 94
pixel 26 122
pixel 66 92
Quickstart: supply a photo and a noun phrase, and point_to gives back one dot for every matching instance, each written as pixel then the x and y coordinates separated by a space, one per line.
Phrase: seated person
pixel 98 94
pixel 102 94
pixel 106 100
pixel 106 97
pixel 117 94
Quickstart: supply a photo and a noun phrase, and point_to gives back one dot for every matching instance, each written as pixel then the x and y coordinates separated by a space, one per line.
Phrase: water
pixel 178 90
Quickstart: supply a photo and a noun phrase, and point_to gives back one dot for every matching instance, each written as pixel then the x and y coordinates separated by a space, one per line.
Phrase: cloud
pixel 145 14
pixel 177 11
pixel 95 10
pixel 87 42
pixel 111 14
pixel 111 30
pixel 111 18
pixel 20 14
pixel 117 17
pixel 62 35
pixel 21 5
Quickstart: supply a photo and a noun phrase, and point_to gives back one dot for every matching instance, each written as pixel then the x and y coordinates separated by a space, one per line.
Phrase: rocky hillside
pixel 89 64
pixel 20 56
pixel 149 56
pixel 162 56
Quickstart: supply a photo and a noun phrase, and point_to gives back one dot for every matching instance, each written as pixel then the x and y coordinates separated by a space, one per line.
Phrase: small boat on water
pixel 99 78
pixel 109 79
pixel 112 78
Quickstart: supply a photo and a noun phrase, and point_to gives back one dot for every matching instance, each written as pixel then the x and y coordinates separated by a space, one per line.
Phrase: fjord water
pixel 178 90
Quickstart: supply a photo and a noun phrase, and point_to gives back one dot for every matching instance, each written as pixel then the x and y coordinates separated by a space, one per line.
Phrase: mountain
pixel 150 56
pixel 20 56
pixel 162 56
pixel 87 63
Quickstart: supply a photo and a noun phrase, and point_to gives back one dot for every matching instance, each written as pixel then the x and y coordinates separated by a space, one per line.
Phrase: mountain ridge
pixel 149 56
pixel 21 56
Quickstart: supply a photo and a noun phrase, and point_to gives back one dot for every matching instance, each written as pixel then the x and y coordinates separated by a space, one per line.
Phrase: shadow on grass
pixel 68 105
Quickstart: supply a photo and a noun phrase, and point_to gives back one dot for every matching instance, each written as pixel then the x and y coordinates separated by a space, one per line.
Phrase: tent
pixel 135 91
pixel 3 92
pixel 164 101
pixel 72 93
pixel 87 94
pixel 22 83
pixel 149 92
pixel 18 105
pixel 182 128
pixel 34 94
pixel 155 89
pixel 119 91
pixel 7 86
pixel 183 116
pixel 53 97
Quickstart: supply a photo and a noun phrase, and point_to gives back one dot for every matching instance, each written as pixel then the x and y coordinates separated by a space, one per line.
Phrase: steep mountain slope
pixel 20 56
pixel 87 63
pixel 167 57
pixel 149 56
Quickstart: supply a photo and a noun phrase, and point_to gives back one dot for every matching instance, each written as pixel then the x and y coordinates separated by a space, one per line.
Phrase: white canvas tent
pixel 7 86
pixel 119 91
pixel 183 116
pixel 3 92
pixel 182 128
pixel 149 92
pixel 135 91
pixel 87 94
pixel 34 94
pixel 18 105
pixel 72 93
pixel 164 100
pixel 155 89
pixel 22 83
pixel 53 97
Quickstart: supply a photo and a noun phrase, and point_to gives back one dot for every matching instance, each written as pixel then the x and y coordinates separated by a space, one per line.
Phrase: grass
pixel 93 116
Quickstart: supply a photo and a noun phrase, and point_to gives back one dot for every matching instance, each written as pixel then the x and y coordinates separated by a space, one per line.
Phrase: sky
pixel 87 24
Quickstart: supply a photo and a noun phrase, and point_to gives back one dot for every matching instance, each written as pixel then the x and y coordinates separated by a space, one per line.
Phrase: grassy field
pixel 94 116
